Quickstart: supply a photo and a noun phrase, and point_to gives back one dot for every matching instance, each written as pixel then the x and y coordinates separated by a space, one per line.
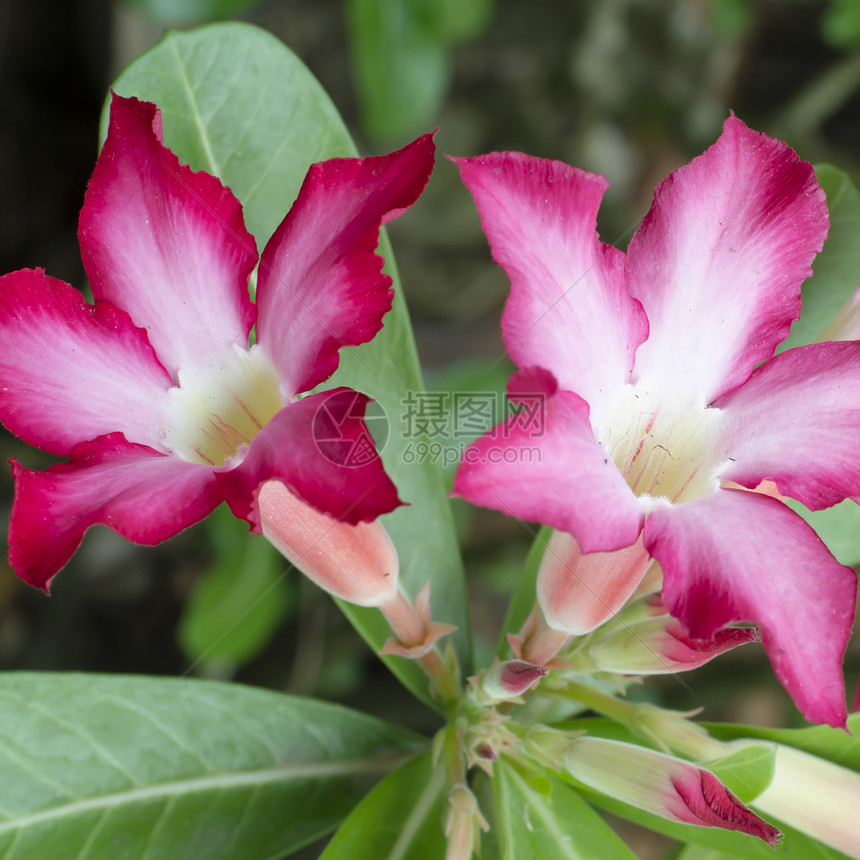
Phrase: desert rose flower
pixel 154 394
pixel 661 387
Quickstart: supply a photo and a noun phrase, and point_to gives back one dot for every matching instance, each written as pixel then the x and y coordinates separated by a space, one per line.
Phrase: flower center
pixel 664 448
pixel 216 410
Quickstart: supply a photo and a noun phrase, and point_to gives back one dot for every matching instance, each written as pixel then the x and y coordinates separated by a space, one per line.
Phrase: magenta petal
pixel 165 243
pixel 704 800
pixel 543 464
pixel 569 310
pixel 70 371
pixel 320 449
pixel 139 493
pixel 718 261
pixel 795 421
pixel 739 556
pixel 320 285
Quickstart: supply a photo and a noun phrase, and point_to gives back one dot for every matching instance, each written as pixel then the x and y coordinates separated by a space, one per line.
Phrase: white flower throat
pixel 216 410
pixel 665 447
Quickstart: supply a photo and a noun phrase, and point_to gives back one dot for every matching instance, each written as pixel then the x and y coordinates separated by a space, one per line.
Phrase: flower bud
pixel 663 785
pixel 510 679
pixel 815 796
pixel 661 646
pixel 356 563
pixel 578 592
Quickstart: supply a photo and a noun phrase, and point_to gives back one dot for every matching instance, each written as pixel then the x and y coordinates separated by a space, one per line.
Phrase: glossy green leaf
pixel 823 741
pixel 240 602
pixel 557 825
pixel 401 819
pixel 748 772
pixel 237 103
pixel 836 270
pixel 97 766
pixel 171 13
pixel 401 71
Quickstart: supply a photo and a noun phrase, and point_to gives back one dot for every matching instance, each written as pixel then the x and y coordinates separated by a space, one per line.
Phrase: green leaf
pixel 239 604
pixel 557 825
pixel 836 269
pixel 401 819
pixel 524 597
pixel 401 71
pixel 748 772
pixel 170 13
pixel 453 20
pixel 237 103
pixel 840 24
pixel 832 744
pixel 122 767
pixel 838 527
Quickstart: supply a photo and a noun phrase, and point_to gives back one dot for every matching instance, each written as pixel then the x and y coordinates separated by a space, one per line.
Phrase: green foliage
pixel 401 58
pixel 174 12
pixel 836 270
pixel 840 24
pixel 549 825
pixel 401 819
pixel 823 741
pixel 748 772
pixel 237 103
pixel 401 71
pixel 110 766
pixel 239 603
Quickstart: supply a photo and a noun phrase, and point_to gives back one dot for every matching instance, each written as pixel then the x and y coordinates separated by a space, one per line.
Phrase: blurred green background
pixel 628 88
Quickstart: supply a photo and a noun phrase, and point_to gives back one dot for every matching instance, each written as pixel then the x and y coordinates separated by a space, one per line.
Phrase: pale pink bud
pixel 815 796
pixel 578 592
pixel 356 563
pixel 669 787
pixel 661 646
pixel 510 679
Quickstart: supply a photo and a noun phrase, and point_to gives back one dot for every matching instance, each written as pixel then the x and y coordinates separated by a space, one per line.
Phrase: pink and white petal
pixel 139 493
pixel 740 556
pixel 320 285
pixel 719 260
pixel 543 464
pixel 319 447
pixel 166 244
pixel 569 310
pixel 70 371
pixel 795 422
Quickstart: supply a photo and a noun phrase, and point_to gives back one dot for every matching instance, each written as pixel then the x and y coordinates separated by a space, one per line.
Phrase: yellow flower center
pixel 665 448
pixel 216 410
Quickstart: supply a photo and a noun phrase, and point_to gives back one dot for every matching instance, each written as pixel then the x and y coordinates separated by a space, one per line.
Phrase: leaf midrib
pixel 213 782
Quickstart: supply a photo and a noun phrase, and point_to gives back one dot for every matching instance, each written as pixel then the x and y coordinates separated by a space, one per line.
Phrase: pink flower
pixel 661 387
pixel 153 393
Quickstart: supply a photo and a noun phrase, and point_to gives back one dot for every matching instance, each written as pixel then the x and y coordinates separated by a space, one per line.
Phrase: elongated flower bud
pixel 817 797
pixel 356 563
pixel 666 786
pixel 578 592
pixel 660 646
pixel 509 679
